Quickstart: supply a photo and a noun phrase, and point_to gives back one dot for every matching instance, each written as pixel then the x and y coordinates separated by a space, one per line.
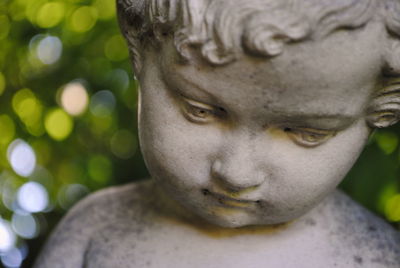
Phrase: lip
pixel 229 202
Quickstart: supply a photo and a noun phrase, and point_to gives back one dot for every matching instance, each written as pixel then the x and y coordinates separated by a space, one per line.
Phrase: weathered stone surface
pixel 251 112
pixel 129 227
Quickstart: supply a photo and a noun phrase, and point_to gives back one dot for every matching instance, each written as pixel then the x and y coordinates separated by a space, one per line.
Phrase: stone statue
pixel 251 112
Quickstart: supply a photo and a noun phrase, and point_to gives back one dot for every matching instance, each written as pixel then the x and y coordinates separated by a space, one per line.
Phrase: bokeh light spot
pixel 392 208
pixel 100 169
pixel 119 79
pixel 29 110
pixel 9 186
pixel 21 157
pixel 58 124
pixel 387 141
pixel 12 258
pixel 83 19
pixel 105 9
pixel 19 98
pixel 123 144
pixel 74 98
pixel 25 225
pixel 102 103
pixel 2 83
pixel 49 49
pixel 32 197
pixel 34 41
pixel 116 49
pixel 50 14
pixel 7 236
pixel 7 129
pixel 32 9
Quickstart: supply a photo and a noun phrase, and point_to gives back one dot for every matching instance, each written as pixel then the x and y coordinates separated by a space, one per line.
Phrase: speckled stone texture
pixel 250 114
pixel 126 227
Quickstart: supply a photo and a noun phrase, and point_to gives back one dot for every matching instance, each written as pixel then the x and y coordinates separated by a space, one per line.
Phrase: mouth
pixel 230 202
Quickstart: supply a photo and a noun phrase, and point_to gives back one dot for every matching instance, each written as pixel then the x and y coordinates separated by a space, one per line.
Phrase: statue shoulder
pixel 67 244
pixel 367 237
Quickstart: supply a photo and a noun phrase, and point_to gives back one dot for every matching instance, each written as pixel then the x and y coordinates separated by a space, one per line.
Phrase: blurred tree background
pixel 68 122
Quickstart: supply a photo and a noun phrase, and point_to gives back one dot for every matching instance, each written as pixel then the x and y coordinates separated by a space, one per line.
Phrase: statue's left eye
pixel 199 113
pixel 309 137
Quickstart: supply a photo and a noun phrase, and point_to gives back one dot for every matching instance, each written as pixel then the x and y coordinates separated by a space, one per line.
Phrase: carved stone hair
pixel 222 30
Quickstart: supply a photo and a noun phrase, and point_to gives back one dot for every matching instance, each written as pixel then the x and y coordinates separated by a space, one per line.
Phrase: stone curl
pixel 223 29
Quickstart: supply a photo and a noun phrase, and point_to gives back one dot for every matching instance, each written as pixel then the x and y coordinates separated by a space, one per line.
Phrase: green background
pixel 52 51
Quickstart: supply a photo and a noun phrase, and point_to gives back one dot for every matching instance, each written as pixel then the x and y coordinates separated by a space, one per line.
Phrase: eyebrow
pixel 323 121
pixel 188 88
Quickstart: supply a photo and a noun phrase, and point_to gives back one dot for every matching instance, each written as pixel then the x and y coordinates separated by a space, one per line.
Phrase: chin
pixel 237 219
pixel 232 224
pixel 228 223
pixel 231 219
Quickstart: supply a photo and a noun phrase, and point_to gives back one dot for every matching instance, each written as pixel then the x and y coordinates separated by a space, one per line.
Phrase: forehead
pixel 335 74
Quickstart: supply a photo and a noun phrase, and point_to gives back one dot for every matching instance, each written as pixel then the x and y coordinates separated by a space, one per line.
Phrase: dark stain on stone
pixel 358 259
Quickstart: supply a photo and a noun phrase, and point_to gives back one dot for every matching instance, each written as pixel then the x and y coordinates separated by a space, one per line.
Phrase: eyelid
pixel 200 113
pixel 217 110
pixel 311 130
pixel 320 136
pixel 198 104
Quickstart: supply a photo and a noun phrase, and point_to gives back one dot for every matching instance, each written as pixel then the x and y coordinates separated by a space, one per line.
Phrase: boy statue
pixel 251 112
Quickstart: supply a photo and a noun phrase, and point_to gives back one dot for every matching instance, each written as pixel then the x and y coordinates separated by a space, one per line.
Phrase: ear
pixel 384 110
pixel 385 107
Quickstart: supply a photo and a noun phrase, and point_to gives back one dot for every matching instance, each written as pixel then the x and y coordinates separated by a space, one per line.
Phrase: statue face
pixel 259 141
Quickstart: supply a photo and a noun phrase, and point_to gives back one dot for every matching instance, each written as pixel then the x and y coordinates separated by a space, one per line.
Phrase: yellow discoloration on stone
pixel 214 231
pixel 233 203
pixel 231 194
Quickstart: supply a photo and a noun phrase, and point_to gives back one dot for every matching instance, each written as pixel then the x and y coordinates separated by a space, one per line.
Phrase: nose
pixel 236 171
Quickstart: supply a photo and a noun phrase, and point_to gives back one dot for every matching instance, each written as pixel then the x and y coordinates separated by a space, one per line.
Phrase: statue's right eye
pixel 198 112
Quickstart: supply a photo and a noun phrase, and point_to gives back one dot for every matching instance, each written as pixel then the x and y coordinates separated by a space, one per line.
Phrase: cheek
pixel 174 149
pixel 313 173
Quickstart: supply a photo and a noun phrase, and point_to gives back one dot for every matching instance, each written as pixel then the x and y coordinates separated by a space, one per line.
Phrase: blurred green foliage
pixel 68 93
pixel 68 121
